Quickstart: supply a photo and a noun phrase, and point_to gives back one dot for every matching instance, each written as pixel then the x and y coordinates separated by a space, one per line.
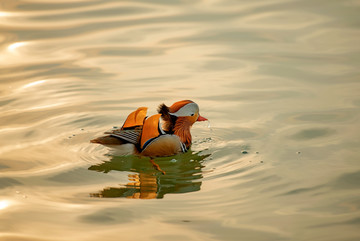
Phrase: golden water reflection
pixel 183 175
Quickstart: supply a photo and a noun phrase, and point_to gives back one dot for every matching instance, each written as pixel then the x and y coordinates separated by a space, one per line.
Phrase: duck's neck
pixel 182 130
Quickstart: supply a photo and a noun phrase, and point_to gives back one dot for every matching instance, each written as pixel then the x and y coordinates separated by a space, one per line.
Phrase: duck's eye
pixel 192 114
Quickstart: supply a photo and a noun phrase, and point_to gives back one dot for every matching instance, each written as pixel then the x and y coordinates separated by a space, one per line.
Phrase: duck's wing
pixel 131 136
pixel 108 140
pixel 130 131
pixel 135 119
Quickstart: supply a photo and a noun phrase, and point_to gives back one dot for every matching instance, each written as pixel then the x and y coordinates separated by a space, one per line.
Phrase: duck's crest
pixel 168 120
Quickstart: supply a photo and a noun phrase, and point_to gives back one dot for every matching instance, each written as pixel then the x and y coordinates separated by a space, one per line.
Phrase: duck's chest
pixel 164 145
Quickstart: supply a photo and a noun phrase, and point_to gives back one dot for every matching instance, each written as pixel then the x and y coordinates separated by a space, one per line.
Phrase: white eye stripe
pixel 187 110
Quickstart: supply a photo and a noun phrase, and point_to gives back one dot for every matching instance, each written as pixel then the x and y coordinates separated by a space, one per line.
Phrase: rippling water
pixel 279 81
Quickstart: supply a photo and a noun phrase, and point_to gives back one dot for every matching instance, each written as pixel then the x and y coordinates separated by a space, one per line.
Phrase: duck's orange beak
pixel 200 118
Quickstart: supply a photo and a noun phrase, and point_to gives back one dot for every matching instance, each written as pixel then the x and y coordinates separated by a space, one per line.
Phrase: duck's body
pixel 148 138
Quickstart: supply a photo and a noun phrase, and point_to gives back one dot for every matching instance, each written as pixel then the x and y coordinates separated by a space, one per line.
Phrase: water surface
pixel 279 81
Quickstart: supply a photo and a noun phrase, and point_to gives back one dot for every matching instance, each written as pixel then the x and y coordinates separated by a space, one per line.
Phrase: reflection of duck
pixel 183 175
pixel 144 136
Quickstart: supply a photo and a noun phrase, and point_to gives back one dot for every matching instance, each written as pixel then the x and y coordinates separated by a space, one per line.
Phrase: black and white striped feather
pixel 131 136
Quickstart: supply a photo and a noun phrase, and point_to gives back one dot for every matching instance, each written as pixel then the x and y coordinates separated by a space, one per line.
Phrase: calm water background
pixel 279 81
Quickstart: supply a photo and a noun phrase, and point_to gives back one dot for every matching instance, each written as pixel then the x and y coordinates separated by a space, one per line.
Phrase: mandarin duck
pixel 148 137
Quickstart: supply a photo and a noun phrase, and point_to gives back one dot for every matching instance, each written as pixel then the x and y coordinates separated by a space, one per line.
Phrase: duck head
pixel 179 117
pixel 186 109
